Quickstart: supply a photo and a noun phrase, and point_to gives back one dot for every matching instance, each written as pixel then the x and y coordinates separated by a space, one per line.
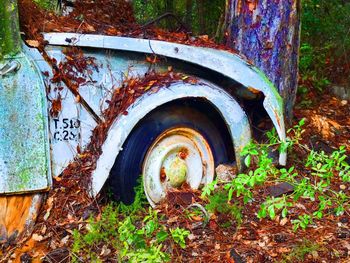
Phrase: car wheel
pixel 174 144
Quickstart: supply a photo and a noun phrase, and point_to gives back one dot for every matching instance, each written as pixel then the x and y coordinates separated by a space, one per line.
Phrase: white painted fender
pixel 234 116
pixel 223 62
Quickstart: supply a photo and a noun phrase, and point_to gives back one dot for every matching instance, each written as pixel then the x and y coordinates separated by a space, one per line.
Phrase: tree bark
pixel 267 32
pixel 188 16
pixel 10 41
pixel 201 15
pixel 169 8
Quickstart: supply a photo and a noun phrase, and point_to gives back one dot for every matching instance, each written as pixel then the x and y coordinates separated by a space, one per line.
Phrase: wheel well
pixel 252 105
pixel 209 102
pixel 203 106
pixel 207 108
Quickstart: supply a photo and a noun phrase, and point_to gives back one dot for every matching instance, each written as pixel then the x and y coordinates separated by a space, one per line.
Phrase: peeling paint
pixel 24 151
pixel 235 118
pixel 223 62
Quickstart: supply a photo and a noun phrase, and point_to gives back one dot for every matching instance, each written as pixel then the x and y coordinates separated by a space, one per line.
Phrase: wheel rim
pixel 177 156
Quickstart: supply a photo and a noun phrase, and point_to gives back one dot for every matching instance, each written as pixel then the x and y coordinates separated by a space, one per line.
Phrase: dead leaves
pixel 49 206
pixel 328 123
pixel 152 59
pixel 133 87
pixel 113 18
pixel 74 71
pixel 37 237
pixel 325 126
pixel 102 16
pixel 69 204
pixel 33 43
pixel 56 106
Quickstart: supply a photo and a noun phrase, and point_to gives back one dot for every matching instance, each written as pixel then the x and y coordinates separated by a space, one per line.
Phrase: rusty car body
pixel 36 146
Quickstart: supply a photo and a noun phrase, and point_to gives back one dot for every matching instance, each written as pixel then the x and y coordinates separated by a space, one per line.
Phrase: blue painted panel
pixel 24 145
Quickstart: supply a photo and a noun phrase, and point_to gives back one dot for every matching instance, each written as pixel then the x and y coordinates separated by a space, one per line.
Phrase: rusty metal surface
pixel 109 76
pixel 24 140
pixel 178 155
pixel 223 62
pixel 231 112
pixel 18 215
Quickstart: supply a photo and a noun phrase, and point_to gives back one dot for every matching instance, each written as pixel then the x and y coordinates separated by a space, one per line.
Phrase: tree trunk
pixel 201 16
pixel 267 32
pixel 169 8
pixel 10 41
pixel 188 16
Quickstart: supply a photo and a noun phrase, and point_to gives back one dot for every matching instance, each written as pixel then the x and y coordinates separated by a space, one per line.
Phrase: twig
pixel 163 16
pixel 204 211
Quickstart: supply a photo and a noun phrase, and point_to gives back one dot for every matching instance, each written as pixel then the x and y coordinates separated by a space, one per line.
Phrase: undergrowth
pixel 325 47
pixel 126 234
pixel 300 250
pixel 322 180
pixel 138 233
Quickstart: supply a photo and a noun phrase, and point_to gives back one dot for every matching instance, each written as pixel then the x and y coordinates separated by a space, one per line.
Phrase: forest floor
pixel 232 231
pixel 295 214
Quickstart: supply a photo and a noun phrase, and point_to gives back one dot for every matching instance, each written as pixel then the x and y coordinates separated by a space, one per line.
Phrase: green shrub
pixel 325 42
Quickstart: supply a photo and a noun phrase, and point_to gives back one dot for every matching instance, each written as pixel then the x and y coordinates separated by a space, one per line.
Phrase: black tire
pixel 128 165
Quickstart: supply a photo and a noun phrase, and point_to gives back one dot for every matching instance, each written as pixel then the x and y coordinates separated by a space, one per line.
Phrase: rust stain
pixel 183 153
pixel 252 4
pixel 162 174
pixel 14 214
pixel 253 90
pixel 277 117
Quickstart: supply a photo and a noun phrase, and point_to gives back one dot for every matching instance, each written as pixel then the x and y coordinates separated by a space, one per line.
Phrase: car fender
pixel 228 64
pixel 233 115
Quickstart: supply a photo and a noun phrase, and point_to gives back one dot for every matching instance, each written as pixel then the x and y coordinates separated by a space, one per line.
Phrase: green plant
pixel 272 204
pixel 326 166
pixel 209 188
pixel 135 246
pixel 324 203
pixel 239 185
pixel 189 12
pixel 179 235
pixel 244 182
pixel 151 222
pixel 295 133
pixel 288 175
pixel 304 189
pixel 325 44
pixel 97 232
pixel 302 222
pixel 46 4
pixel 193 212
pixel 153 254
pixel 140 201
pixel 136 237
pixel 340 164
pixel 313 184
pixel 300 250
pixel 342 202
pixel 218 204
pixel 130 236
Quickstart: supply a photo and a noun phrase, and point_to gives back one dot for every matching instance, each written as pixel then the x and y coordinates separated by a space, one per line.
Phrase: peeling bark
pixel 267 32
pixel 10 41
